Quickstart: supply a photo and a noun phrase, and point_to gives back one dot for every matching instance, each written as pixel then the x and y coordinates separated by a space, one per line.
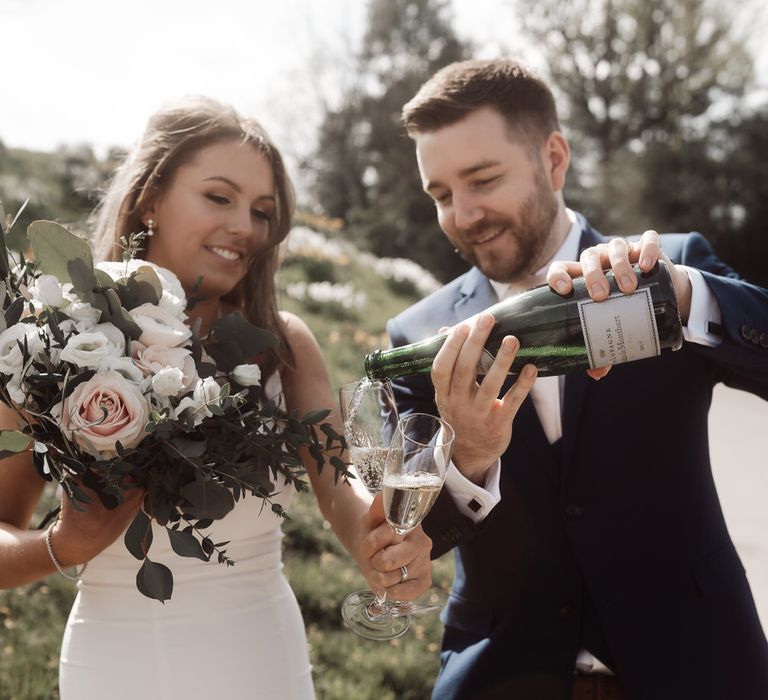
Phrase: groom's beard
pixel 528 234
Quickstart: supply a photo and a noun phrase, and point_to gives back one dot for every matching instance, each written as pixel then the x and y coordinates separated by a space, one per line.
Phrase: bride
pixel 212 192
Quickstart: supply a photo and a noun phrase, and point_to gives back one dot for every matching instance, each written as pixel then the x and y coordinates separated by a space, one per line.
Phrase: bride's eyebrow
pixel 236 187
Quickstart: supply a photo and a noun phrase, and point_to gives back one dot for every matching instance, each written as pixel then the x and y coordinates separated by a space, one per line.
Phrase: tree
pixel 365 164
pixel 637 76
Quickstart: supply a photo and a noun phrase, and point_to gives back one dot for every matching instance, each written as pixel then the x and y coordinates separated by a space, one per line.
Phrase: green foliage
pixel 365 164
pixel 638 82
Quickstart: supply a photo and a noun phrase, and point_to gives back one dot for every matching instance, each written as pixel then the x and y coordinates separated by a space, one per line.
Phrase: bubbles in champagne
pixel 369 464
pixel 408 497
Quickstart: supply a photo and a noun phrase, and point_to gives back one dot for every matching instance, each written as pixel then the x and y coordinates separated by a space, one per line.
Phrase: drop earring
pixel 150 228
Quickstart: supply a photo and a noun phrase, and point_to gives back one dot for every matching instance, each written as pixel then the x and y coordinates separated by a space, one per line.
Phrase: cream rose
pixel 89 349
pixel 103 410
pixel 159 327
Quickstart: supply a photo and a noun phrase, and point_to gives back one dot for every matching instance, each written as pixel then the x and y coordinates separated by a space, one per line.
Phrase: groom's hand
pixel 382 553
pixel 480 419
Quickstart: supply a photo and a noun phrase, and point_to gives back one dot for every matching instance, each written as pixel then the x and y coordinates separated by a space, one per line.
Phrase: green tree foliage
pixel 365 165
pixel 640 82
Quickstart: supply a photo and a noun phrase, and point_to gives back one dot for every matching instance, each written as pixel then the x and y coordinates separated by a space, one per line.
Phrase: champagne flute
pixel 370 420
pixel 414 473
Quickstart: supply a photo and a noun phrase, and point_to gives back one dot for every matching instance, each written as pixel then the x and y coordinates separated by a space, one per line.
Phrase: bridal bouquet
pixel 114 391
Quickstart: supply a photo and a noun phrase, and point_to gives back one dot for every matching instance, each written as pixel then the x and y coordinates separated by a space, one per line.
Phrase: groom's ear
pixel 556 156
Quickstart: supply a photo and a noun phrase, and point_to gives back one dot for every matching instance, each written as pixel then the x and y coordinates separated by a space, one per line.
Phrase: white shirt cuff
pixel 473 501
pixel 704 310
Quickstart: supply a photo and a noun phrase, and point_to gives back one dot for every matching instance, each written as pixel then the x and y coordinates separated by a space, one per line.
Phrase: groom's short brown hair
pixel 505 85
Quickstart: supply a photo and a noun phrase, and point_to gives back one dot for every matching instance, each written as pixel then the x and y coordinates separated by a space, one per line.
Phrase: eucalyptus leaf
pixel 119 316
pixel 103 279
pixel 207 499
pixel 12 442
pixel 185 544
pixel 234 328
pixel 190 448
pixel 155 580
pixel 55 248
pixel 147 275
pixel 83 279
pixel 138 536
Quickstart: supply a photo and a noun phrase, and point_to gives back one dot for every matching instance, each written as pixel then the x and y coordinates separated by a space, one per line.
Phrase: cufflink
pixel 474 506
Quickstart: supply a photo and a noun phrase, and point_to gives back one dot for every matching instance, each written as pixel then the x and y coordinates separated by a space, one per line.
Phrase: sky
pixel 92 71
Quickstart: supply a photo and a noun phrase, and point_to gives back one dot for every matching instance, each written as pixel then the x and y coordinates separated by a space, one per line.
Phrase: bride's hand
pixel 79 535
pixel 382 553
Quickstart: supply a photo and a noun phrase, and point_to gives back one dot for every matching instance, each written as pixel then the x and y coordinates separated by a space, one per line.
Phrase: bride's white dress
pixel 227 632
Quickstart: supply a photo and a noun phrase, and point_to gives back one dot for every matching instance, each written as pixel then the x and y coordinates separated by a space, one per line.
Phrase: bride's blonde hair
pixel 172 137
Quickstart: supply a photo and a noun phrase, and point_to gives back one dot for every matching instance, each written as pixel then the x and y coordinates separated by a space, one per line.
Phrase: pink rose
pixel 103 410
pixel 156 358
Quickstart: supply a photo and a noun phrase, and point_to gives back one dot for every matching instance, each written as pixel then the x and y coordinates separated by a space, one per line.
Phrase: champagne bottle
pixel 561 334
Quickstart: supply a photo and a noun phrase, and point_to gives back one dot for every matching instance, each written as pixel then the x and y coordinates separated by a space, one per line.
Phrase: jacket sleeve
pixel 742 356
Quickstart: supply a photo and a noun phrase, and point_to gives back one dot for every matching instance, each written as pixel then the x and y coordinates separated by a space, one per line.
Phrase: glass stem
pixel 378 608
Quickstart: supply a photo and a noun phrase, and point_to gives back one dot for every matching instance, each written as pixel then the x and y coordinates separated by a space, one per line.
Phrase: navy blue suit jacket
pixel 612 540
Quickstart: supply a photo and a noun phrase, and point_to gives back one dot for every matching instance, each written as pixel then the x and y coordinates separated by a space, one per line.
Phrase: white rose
pixel 206 391
pixel 83 313
pixel 47 290
pixel 247 375
pixel 123 366
pixel 11 357
pixel 168 381
pixel 13 387
pixel 159 327
pixel 102 411
pixel 90 348
pixel 154 358
pixel 173 299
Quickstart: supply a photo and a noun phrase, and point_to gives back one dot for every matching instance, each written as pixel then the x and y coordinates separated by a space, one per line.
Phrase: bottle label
pixel 620 329
pixel 485 362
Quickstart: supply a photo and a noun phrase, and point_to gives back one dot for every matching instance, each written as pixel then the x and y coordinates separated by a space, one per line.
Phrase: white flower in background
pixel 173 299
pixel 123 366
pixel 159 327
pixel 11 357
pixel 151 360
pixel 168 381
pixel 325 292
pixel 206 391
pixel 247 375
pixel 47 291
pixel 90 348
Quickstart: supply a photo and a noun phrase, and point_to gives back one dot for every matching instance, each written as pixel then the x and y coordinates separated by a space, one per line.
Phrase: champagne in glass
pixel 408 498
pixel 370 419
pixel 413 476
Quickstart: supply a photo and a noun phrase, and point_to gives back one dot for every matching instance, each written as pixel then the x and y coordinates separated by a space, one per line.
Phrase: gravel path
pixel 738 425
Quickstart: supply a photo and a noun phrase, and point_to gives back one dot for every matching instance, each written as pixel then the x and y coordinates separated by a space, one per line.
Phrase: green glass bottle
pixel 561 334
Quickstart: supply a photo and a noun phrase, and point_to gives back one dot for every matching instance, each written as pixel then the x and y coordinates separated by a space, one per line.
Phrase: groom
pixel 592 558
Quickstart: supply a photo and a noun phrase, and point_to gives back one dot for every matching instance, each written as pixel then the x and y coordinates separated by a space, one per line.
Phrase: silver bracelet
pixel 59 567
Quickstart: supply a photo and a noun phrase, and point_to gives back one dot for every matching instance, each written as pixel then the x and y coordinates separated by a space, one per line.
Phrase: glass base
pixel 429 602
pixel 359 617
